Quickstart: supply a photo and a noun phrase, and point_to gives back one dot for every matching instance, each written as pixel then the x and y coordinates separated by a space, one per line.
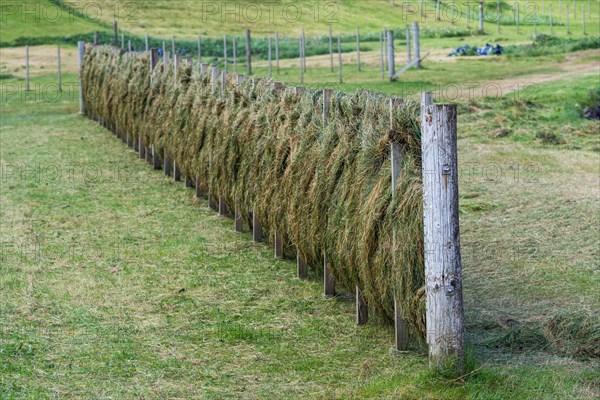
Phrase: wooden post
pixel 391 58
pixel 277 52
pixel 328 278
pixel 176 172
pixel 199 193
pixel 203 68
pixel 330 48
pixel 408 55
pixel 27 85
pixel 81 48
pixel 362 309
pixel 165 59
pixel 153 59
pixel 443 269
pixel 401 334
pixel 59 71
pixel 199 50
pixel 148 152
pixel 381 60
pixel 417 44
pixel 129 46
pixel 303 50
pixel 95 39
pixel 214 76
pixel 167 164
pixel 189 183
pixel 358 48
pixel 270 60
pixel 141 148
pixel 385 46
pixel 225 53
pixel 122 41
pixel 340 57
pixel 115 32
pixel 248 53
pixel 278 246
pixel 155 158
pixel 238 221
pixel 173 45
pixel 256 228
pixel 234 55
pixel 223 82
pixel 481 16
pixel 301 64
pixel 147 43
pixel 302 268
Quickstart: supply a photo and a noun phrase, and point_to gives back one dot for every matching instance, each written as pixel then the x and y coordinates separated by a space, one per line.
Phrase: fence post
pixel 122 41
pixel 401 335
pixel 328 278
pixel 59 71
pixel 225 66
pixel 176 172
pixel 173 45
pixel 408 56
pixel 27 86
pixel 481 16
pixel 165 61
pixel 358 47
pixel 303 50
pixel 381 60
pixel 301 68
pixel 95 39
pixel 270 60
pixel 391 58
pixel 115 33
pixel 330 48
pixel 417 44
pixel 81 48
pixel 277 52
pixel 129 46
pixel 141 148
pixel 302 268
pixel 239 222
pixel 340 58
pixel 385 46
pixel 223 82
pixel 199 50
pixel 234 55
pixel 362 308
pixel 443 269
pixel 278 86
pixel 248 53
pixel 147 42
pixel 166 164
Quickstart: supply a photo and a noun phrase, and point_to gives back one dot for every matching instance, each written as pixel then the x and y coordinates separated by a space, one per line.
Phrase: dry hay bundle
pixel 325 188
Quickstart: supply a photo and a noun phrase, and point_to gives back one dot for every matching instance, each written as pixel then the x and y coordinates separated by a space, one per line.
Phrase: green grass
pixel 136 289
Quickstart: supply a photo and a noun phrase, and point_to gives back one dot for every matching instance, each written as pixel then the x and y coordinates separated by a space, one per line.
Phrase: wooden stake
pixel 417 44
pixel 443 269
pixel 248 53
pixel 122 41
pixel 391 57
pixel 81 48
pixel 256 228
pixel 277 52
pixel 199 50
pixel 330 48
pixel 340 57
pixel 173 45
pixel 165 58
pixel 301 267
pixel 176 172
pixel 155 158
pixel 199 193
pixel 95 39
pixel 278 246
pixel 129 46
pixel 167 164
pixel 239 222
pixel 362 309
pixel 147 43
pixel 141 149
pixel 59 71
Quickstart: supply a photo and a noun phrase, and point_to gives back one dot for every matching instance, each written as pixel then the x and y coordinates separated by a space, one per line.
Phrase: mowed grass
pixel 118 283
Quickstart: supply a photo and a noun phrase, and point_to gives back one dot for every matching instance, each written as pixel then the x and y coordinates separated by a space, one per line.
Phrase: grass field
pixel 118 283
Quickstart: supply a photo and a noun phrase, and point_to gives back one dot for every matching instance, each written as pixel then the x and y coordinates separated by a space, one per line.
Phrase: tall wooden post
pixel 328 278
pixel 122 41
pixel 391 56
pixel 27 85
pixel 330 48
pixel 166 164
pixel 95 39
pixel 234 55
pixel 362 309
pixel 173 45
pixel 248 53
pixel 81 48
pixel 481 16
pixel 340 58
pixel 129 46
pixel 59 71
pixel 417 44
pixel 199 50
pixel 176 172
pixel 147 43
pixel 165 59
pixel 408 55
pixel 301 63
pixel 270 60
pixel 381 60
pixel 358 48
pixel 225 53
pixel 303 50
pixel 115 33
pixel 401 334
pixel 443 268
pixel 277 52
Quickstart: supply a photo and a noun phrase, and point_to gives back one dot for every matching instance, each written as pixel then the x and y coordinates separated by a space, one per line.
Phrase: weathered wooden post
pixel 59 71
pixel 270 60
pixel 199 50
pixel 95 39
pixel 303 50
pixel 122 41
pixel 248 53
pixel 166 164
pixel 223 82
pixel 362 308
pixel 81 49
pixel 225 53
pixel 27 85
pixel 481 16
pixel 173 45
pixel 330 48
pixel 301 64
pixel 381 60
pixel 417 44
pixel 238 221
pixel 328 278
pixel 443 268
pixel 176 172
pixel 391 57
pixel 147 42
pixel 408 55
pixel 401 334
pixel 115 33
pixel 165 58
pixel 358 48
pixel 340 58
pixel 277 52
pixel 234 55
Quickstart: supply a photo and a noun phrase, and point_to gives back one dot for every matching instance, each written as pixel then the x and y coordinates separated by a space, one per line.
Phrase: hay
pixel 325 189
